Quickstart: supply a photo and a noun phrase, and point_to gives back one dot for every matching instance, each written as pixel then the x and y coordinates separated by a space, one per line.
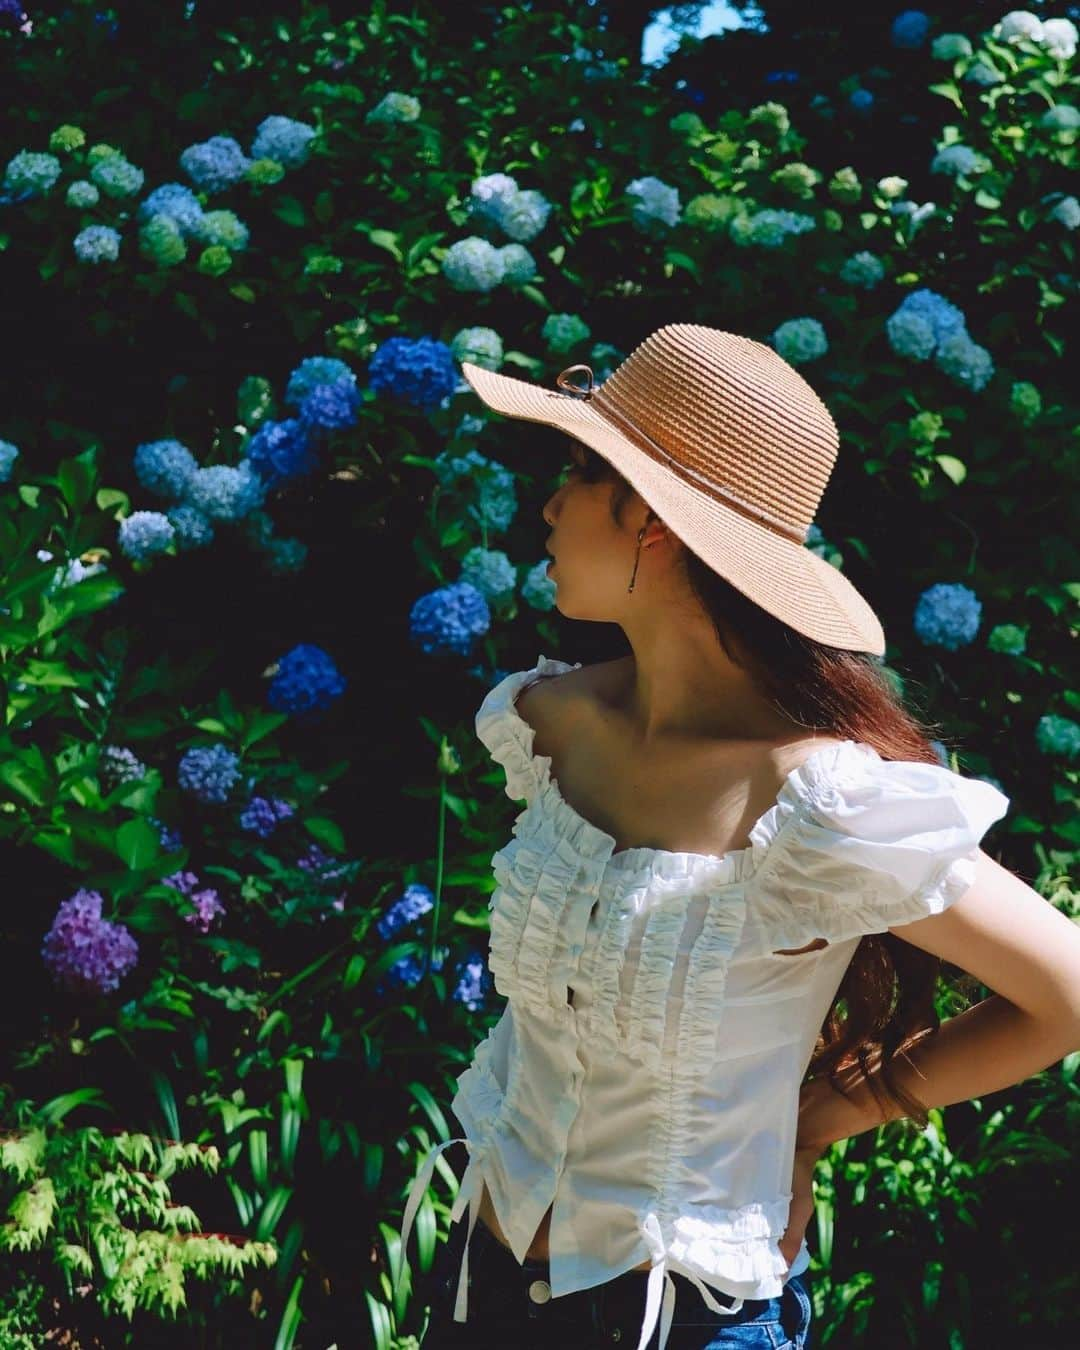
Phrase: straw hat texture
pixel 731 448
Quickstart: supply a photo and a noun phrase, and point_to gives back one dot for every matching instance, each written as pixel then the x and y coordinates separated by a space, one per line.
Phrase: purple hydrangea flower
pixel 209 772
pixel 280 451
pixel 121 765
pixel 323 866
pixel 86 954
pixel 420 372
pixel 331 406
pixel 306 680
pixel 449 618
pixel 262 815
pixel 414 901
pixel 206 906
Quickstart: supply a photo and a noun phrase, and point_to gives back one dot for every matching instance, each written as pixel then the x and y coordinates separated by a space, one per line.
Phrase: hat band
pixel 646 443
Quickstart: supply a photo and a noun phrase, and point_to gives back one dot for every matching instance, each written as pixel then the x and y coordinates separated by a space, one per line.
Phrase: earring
pixel 637 558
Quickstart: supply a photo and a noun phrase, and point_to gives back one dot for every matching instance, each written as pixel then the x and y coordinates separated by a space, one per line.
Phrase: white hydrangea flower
pixel 654 201
pixel 958 161
pixel 473 264
pixel 892 187
pixel 1059 37
pixel 1019 25
pixel 1067 211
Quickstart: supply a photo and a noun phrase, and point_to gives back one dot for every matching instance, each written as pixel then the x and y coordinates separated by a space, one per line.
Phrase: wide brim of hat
pixel 785 578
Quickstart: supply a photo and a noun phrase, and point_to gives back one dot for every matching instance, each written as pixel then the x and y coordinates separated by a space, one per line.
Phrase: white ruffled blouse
pixel 644 1077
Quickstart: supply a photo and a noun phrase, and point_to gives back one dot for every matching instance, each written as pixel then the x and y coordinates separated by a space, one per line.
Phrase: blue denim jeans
pixel 503 1312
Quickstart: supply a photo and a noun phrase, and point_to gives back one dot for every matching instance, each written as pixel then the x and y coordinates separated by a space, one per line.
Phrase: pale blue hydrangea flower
pixel 653 202
pixel 419 371
pixel 1008 638
pixel 769 227
pixel 524 215
pixel 910 28
pixel 120 764
pixel 491 572
pixel 1019 25
pixel 8 455
pixel 490 193
pixel 314 370
pixel 177 201
pixel 947 615
pixel 30 173
pixel 964 361
pixel 224 228
pixel 910 335
pixel 162 241
pixel 892 186
pixel 492 482
pixel 800 340
pixel 209 772
pixel 470 426
pixel 944 318
pixel 225 492
pixel 97 243
pixel 1062 118
pixel 815 540
pixel 480 346
pixel 1057 735
pixel 82 194
pixel 474 981
pixel 117 177
pixel 951 47
pixel 563 332
pixel 283 139
pixel 77 571
pixel 413 903
pixel 604 358
pixel 1067 211
pixel 958 161
pixel 537 589
pixel 473 264
pixel 983 73
pixel 193 529
pixel 863 269
pixel 165 467
pixel 519 265
pixel 449 618
pixel 913 213
pixel 144 534
pixel 214 164
pixel 1059 38
pixel 285 555
pixel 394 107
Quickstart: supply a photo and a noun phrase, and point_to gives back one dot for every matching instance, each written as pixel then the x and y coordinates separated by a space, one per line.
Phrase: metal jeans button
pixel 539 1291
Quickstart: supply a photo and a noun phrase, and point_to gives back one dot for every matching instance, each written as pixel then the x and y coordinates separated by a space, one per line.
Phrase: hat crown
pixel 729 415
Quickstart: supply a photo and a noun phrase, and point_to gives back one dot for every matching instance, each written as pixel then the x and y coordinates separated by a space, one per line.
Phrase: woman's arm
pixel 1016 943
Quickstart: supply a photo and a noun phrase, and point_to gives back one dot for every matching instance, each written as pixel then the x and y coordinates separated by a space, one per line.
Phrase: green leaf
pixel 242 291
pixel 956 469
pixel 289 210
pixel 109 497
pixel 137 843
pixel 327 832
pixel 388 240
pixel 76 480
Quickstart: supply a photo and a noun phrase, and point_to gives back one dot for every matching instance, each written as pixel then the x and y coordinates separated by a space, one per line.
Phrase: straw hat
pixel 731 447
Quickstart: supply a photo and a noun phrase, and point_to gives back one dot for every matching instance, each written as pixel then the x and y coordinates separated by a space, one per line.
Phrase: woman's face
pixel 593 556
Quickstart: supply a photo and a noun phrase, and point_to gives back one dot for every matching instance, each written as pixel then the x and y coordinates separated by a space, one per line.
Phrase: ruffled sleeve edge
pixel 507 737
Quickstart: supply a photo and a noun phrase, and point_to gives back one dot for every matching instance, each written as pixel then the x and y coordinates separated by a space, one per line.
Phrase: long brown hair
pixel 885 1003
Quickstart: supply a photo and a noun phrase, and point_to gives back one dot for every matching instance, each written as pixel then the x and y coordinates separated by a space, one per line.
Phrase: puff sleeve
pixel 864 844
pixel 507 737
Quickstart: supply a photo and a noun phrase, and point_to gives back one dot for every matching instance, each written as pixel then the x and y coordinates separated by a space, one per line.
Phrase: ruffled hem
pixel 508 737
pixel 740 1247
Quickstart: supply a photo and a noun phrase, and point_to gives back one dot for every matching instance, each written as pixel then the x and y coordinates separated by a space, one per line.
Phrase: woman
pixel 727 833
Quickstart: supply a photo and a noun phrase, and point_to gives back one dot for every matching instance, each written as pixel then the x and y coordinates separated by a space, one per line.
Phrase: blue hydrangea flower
pixel 490 194
pixel 193 529
pixel 769 228
pixel 1057 735
pixel 449 618
pixel 97 243
pixel 1067 212
pixel 262 815
pixel 800 340
pixel 653 203
pixel 420 372
pixel 178 202
pixel 30 173
pixel 312 371
pixel 538 589
pixel 414 901
pixel 9 453
pixel 225 492
pixel 120 764
pixel 306 680
pixel 214 164
pixel 965 362
pixel 165 467
pixel 82 194
pixel 947 615
pixel 863 269
pixel 408 971
pixel 474 264
pixel 861 99
pixel 84 953
pixel 330 407
pixel 117 177
pixel 951 47
pixel 474 981
pixel 518 264
pixel 563 332
pixel 209 772
pixel 283 139
pixel 910 335
pixel 282 451
pixel 524 215
pixel 144 534
pixel 169 837
pixel 983 73
pixel 480 346
pixel 493 483
pixel 945 319
pixel 491 572
pixel 910 28
pixel 958 161
pixel 1063 117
